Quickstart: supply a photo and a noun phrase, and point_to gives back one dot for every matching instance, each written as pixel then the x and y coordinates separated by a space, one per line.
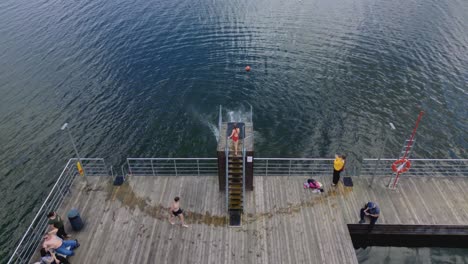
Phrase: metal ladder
pixel 235 188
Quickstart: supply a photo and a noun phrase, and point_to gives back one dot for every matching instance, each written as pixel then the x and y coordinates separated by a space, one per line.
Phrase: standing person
pixel 56 225
pixel 176 211
pixel 235 137
pixel 338 167
pixel 371 210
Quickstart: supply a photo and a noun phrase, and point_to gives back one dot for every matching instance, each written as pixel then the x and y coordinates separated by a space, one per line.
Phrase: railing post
pixel 220 120
pixel 289 172
pixel 243 176
pixel 226 153
pixel 129 167
pixel 251 113
pixel 112 172
pixel 175 167
pixel 198 167
pixel 266 168
pixel 152 168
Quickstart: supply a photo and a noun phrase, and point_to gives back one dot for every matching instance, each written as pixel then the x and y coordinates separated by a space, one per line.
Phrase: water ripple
pixel 137 78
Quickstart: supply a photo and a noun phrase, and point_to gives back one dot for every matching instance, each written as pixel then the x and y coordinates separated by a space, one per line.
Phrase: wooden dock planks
pixel 283 223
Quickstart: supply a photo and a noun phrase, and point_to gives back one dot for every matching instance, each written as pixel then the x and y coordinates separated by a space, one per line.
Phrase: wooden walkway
pixel 284 223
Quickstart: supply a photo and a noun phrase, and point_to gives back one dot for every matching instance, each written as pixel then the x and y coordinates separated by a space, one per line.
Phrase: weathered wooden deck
pixel 284 223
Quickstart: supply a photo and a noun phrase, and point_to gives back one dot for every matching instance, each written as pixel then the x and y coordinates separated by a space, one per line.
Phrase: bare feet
pixel 184 225
pixel 172 223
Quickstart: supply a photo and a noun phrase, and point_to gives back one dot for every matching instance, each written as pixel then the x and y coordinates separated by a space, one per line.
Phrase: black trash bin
pixel 75 219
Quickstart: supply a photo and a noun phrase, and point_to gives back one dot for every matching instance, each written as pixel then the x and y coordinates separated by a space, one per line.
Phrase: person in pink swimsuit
pixel 235 137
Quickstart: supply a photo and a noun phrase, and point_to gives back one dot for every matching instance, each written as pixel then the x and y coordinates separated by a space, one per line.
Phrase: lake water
pixel 144 78
pixel 395 255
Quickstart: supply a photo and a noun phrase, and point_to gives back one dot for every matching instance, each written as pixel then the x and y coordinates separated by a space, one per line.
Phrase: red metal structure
pixel 403 163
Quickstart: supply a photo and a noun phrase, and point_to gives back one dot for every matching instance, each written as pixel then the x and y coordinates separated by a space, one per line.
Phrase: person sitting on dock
pixel 56 225
pixel 176 211
pixel 372 210
pixel 316 186
pixel 49 257
pixel 235 137
pixel 64 247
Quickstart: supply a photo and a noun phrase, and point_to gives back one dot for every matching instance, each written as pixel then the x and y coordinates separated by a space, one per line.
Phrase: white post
pixel 65 127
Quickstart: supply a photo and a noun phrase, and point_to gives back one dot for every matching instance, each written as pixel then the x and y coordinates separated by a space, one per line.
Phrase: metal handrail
pixel 419 167
pixel 29 241
pixel 310 159
pixel 226 150
pixel 37 215
pixel 393 159
pixel 292 166
pixel 171 158
pixel 172 166
pixel 288 166
pixel 243 169
pixel 220 120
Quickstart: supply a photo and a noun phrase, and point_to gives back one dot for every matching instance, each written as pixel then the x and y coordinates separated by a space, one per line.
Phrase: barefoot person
pixel 176 211
pixel 235 137
pixel 64 247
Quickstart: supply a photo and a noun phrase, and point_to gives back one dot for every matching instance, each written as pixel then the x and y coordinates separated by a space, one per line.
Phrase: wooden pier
pixel 283 223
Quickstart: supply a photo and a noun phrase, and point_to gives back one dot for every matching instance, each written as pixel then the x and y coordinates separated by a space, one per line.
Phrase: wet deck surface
pixel 284 223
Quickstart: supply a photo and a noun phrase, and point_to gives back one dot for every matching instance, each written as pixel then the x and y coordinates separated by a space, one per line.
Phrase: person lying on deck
pixel 64 247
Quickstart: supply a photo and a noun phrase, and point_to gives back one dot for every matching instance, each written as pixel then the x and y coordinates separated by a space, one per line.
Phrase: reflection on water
pixel 400 255
pixel 144 78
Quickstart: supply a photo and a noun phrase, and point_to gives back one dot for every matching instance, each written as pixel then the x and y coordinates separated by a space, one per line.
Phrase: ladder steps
pixel 235 190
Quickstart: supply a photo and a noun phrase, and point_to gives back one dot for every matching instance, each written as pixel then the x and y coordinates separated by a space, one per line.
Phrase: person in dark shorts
pixel 371 210
pixel 176 211
pixel 56 225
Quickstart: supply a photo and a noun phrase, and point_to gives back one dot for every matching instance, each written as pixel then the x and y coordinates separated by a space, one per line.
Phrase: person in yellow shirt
pixel 338 167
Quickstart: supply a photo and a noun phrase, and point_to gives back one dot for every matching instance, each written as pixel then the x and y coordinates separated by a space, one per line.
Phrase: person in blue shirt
pixel 371 210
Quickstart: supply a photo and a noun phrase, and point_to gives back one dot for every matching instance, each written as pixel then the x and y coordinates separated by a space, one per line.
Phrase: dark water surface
pixel 397 255
pixel 144 78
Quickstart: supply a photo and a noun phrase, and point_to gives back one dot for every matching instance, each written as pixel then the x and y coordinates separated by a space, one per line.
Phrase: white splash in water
pixel 238 116
pixel 214 129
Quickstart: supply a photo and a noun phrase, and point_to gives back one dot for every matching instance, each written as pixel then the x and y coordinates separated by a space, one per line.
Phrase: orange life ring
pixel 401 165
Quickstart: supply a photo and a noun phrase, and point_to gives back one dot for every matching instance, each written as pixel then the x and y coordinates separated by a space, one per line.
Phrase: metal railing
pixel 244 161
pixel 172 166
pixel 220 121
pixel 94 166
pixel 292 166
pixel 419 167
pixel 33 235
pixel 226 177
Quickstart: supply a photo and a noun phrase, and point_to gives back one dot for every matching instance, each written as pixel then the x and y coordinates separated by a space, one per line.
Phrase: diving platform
pixel 282 222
